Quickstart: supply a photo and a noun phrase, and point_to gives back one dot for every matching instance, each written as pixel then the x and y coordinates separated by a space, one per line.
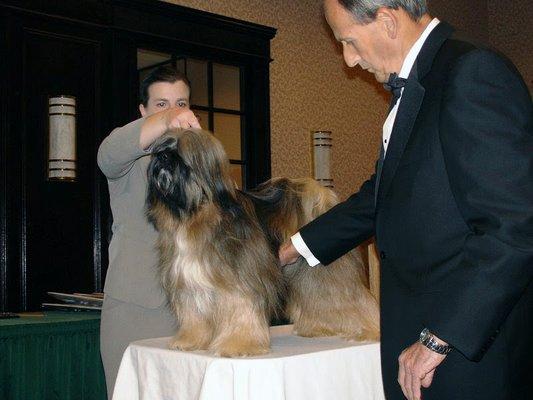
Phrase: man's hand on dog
pixel 288 254
pixel 417 366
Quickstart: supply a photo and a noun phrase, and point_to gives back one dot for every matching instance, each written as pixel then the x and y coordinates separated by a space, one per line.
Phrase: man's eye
pixel 182 104
pixel 161 104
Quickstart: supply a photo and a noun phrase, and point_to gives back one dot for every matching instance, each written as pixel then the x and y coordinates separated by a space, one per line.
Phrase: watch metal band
pixel 428 340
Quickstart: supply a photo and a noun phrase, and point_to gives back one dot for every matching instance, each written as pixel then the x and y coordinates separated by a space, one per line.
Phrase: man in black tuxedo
pixel 450 205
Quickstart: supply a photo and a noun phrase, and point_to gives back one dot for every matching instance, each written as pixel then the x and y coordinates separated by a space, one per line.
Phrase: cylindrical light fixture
pixel 62 138
pixel 322 157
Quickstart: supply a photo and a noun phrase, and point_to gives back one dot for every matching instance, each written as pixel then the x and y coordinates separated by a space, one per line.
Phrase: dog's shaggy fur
pixel 321 301
pixel 218 254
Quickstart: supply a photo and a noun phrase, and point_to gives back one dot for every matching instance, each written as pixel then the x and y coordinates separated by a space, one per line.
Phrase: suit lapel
pixel 379 167
pixel 410 103
pixel 412 97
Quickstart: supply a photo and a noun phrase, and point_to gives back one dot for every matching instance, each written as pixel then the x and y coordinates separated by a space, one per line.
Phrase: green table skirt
pixel 52 357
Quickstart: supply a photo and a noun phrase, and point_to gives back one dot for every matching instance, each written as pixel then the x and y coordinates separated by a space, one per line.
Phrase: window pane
pixel 147 58
pixel 236 174
pixel 226 87
pixel 197 74
pixel 227 129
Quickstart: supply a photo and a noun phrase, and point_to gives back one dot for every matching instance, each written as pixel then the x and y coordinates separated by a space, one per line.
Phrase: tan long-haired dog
pixel 321 301
pixel 216 266
pixel 218 254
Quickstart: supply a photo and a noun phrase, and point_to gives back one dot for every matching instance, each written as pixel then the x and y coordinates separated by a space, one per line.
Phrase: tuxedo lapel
pixel 378 172
pixel 410 103
pixel 412 97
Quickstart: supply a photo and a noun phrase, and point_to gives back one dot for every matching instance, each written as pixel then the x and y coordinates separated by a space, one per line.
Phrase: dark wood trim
pixel 159 19
pixel 170 20
pixel 258 122
pixel 115 12
pixel 11 157
pixel 3 169
pixel 96 12
pixel 245 170
pixel 191 15
pixel 218 110
pixel 210 96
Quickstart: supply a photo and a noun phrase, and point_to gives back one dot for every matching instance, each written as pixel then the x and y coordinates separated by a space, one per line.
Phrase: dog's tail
pixel 316 199
pixel 284 205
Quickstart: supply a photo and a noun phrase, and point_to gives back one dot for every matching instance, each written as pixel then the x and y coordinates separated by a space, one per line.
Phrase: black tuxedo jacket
pixel 451 207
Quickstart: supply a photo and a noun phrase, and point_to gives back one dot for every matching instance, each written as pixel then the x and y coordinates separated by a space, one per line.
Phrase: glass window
pixel 226 87
pixel 197 74
pixel 227 129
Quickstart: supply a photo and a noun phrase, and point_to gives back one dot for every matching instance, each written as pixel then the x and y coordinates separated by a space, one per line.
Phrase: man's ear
pixel 142 110
pixel 388 19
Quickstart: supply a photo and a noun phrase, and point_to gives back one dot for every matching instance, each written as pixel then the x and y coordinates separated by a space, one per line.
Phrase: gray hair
pixel 365 11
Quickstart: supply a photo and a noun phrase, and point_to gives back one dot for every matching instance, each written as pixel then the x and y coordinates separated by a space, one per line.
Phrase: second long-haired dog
pixel 320 301
pixel 218 254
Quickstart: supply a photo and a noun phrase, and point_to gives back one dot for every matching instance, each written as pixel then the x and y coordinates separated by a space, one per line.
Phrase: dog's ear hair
pixel 167 173
pixel 269 193
pixel 161 167
pixel 278 207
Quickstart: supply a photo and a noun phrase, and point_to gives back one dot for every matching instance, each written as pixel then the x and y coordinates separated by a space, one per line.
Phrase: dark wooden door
pixel 57 241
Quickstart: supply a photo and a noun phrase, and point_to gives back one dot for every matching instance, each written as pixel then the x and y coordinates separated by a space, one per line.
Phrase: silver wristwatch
pixel 428 340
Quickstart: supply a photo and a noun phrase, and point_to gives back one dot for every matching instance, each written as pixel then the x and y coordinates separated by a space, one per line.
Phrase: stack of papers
pixel 76 301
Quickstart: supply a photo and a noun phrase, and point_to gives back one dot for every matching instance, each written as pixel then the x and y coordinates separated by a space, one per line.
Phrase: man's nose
pixel 351 56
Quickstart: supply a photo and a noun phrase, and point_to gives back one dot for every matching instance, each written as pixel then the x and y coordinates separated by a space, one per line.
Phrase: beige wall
pixel 470 17
pixel 510 29
pixel 504 25
pixel 312 89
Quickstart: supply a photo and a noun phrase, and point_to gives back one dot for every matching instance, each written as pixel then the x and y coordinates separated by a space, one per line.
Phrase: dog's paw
pixel 240 348
pixel 362 336
pixel 314 332
pixel 186 343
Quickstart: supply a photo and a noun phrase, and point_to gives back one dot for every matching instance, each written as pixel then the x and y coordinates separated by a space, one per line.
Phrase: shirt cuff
pixel 302 248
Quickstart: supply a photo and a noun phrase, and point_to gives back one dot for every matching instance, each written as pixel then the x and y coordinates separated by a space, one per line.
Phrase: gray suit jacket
pixel 132 274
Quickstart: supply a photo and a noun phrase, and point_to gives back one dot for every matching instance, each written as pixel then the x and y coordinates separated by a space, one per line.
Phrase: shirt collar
pixel 413 52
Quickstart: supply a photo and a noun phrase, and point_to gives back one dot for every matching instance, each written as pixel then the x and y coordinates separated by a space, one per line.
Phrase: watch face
pixel 424 334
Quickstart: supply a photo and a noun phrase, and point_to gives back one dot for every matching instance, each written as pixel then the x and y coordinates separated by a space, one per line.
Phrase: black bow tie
pixel 395 85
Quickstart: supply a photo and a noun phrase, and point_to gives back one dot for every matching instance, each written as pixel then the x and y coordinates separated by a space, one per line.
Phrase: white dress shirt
pixel 407 65
pixel 404 73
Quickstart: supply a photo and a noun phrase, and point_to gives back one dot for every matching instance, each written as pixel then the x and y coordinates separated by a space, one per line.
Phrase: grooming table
pixel 296 368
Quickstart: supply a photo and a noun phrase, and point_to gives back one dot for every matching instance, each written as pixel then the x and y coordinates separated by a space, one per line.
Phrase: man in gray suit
pixel 134 304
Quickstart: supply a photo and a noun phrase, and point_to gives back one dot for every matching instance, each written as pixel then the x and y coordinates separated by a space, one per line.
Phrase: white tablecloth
pixel 297 368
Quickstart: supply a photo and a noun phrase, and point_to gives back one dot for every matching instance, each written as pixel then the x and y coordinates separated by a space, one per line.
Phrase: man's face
pixel 367 45
pixel 165 95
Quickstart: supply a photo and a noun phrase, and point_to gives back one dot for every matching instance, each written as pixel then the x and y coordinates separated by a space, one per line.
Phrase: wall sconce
pixel 322 143
pixel 62 138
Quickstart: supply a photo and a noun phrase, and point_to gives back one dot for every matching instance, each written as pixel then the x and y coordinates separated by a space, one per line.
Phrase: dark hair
pixel 163 73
